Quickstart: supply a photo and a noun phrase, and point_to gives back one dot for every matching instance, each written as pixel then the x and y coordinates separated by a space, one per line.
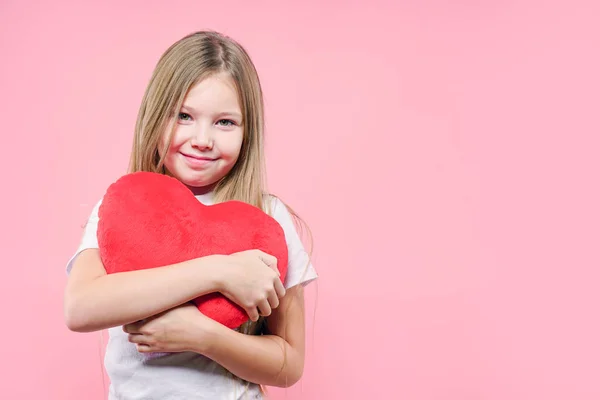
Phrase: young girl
pixel 200 121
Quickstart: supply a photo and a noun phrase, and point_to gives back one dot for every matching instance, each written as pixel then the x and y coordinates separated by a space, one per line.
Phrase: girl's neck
pixel 199 191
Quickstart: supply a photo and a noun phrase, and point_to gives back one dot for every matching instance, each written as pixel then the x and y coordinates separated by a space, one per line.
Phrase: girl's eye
pixel 185 116
pixel 226 122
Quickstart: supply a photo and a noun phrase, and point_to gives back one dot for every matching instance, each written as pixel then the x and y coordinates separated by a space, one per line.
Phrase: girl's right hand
pixel 251 280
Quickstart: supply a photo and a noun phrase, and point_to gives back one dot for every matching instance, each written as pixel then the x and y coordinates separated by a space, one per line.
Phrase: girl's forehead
pixel 213 93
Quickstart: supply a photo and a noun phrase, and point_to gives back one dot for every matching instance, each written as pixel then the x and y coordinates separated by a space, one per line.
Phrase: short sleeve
pixel 89 239
pixel 300 268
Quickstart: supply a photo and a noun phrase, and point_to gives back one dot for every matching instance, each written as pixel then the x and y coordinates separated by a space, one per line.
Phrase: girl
pixel 200 121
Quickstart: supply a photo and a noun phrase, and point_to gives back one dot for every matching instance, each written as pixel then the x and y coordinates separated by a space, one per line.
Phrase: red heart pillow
pixel 149 220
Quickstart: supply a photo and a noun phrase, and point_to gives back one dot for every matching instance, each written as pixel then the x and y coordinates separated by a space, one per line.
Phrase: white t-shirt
pixel 187 375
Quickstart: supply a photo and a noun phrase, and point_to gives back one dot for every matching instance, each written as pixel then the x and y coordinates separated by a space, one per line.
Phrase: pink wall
pixel 449 169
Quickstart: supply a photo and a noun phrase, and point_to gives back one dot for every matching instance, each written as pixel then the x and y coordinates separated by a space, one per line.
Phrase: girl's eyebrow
pixel 234 114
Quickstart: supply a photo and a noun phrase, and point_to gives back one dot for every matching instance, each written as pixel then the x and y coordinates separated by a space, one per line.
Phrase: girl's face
pixel 208 136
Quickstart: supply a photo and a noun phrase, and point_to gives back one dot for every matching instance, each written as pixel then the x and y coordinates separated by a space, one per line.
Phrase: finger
pixel 143 348
pixel 136 338
pixel 273 300
pixel 264 308
pixel 134 327
pixel 253 314
pixel 279 288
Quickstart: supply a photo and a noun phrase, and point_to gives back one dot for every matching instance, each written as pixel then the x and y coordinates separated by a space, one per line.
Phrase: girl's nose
pixel 202 139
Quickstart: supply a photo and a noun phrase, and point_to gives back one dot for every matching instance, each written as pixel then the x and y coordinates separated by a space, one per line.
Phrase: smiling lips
pixel 197 160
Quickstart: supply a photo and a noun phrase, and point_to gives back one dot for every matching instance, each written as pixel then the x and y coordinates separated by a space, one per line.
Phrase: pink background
pixel 445 154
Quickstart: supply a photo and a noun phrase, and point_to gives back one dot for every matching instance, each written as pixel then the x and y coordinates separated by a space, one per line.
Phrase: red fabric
pixel 149 220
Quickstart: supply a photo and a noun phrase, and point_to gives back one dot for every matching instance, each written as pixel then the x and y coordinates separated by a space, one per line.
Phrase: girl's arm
pixel 94 300
pixel 273 359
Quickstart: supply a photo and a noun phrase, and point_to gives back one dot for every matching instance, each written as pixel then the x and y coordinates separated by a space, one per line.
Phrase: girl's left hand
pixel 176 330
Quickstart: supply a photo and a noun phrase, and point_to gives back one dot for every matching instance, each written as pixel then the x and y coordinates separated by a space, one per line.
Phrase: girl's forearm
pixel 264 360
pixel 121 298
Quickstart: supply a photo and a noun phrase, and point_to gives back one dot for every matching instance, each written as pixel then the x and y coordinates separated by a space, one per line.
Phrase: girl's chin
pixel 197 181
pixel 199 186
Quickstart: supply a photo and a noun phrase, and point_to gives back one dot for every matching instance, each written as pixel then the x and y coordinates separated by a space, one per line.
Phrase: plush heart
pixel 148 220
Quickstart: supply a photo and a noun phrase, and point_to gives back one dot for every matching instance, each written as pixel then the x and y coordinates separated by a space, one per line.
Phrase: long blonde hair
pixel 184 64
